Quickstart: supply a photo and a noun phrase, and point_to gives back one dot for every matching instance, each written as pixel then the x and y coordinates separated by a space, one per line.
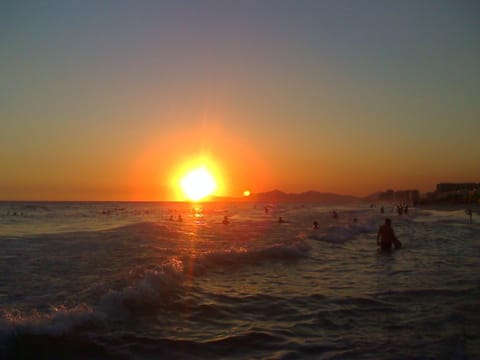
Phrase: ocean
pixel 111 280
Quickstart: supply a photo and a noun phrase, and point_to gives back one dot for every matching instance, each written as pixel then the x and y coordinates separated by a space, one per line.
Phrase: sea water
pixel 130 281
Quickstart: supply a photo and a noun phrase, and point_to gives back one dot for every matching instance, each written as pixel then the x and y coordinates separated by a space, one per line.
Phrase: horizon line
pixel 211 198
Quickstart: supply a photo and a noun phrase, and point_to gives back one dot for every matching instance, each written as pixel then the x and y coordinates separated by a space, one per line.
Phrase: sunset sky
pixel 115 100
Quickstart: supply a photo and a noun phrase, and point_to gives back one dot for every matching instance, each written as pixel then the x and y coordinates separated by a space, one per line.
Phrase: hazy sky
pixel 110 99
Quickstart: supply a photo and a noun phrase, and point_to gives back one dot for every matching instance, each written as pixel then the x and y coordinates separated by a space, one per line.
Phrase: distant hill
pixel 372 197
pixel 304 197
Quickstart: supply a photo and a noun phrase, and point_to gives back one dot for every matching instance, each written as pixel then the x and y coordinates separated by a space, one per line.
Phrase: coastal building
pixel 456 193
pixel 449 187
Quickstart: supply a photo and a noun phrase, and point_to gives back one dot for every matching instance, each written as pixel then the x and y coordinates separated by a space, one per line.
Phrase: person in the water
pixel 469 213
pixel 386 237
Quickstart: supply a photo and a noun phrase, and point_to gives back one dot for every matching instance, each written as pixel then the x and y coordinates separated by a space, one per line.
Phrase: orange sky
pixel 152 170
pixel 116 102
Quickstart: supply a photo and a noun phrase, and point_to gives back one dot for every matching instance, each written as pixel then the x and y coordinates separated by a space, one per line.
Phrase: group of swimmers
pixel 401 209
pixel 225 220
pixel 281 220
pixel 179 218
pixel 386 238
pixel 14 213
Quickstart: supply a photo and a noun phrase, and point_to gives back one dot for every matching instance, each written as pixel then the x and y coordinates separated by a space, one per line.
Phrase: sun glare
pixel 198 183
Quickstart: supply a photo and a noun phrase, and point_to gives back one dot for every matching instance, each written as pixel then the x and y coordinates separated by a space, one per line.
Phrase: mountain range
pixel 277 196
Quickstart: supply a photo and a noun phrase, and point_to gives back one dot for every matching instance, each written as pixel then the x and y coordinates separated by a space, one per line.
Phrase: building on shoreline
pixel 448 193
pixel 451 187
pixel 457 193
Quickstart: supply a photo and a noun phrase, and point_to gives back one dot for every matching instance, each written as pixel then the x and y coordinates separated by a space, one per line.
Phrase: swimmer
pixel 225 221
pixel 315 225
pixel 386 236
pixel 469 213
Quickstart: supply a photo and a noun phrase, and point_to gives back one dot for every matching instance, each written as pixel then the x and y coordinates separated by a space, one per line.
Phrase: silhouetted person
pixel 382 209
pixel 179 218
pixel 355 220
pixel 225 221
pixel 334 214
pixel 386 237
pixel 469 213
pixel 315 225
pixel 266 209
pixel 280 220
pixel 399 209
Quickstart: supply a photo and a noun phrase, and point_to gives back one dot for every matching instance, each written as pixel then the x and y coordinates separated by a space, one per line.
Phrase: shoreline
pixel 450 207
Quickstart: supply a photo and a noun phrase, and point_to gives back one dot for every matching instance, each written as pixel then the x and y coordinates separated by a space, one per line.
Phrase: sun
pixel 198 183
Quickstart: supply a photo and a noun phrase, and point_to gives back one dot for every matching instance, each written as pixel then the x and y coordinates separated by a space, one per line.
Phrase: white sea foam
pixel 137 281
pixel 59 320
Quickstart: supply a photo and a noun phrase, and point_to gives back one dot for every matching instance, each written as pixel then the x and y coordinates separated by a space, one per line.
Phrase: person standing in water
pixel 469 214
pixel 386 236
